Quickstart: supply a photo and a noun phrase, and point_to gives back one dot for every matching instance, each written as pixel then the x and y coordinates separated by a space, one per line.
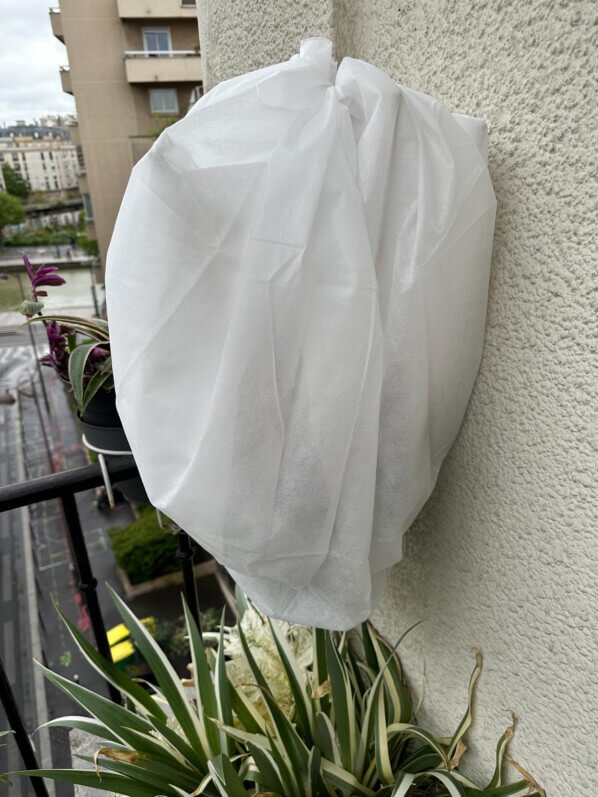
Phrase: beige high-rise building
pixel 45 164
pixel 134 66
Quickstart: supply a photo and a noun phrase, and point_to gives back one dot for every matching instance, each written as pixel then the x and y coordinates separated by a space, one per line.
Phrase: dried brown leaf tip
pixel 321 690
pixel 461 748
pixel 532 782
pixel 124 756
pixel 510 732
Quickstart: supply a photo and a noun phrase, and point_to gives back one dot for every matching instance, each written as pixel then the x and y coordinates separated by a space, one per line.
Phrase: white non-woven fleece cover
pixel 297 287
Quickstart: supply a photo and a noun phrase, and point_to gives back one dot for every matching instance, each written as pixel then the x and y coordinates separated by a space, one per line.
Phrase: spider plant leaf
pixel 176 746
pixel 383 764
pixel 388 660
pixel 402 785
pixel 327 738
pixel 288 738
pixel 296 676
pixel 421 760
pixel 114 716
pixel 468 716
pixel 77 362
pixel 149 772
pixel 168 681
pixel 225 777
pixel 519 789
pixel 293 748
pixel 85 724
pixel 240 735
pixel 345 781
pixel 255 670
pixel 99 380
pixel 207 703
pixel 415 732
pixel 501 749
pixel 342 702
pixel 359 685
pixel 268 775
pixel 370 653
pixel 116 784
pixel 292 786
pixel 94 328
pixel 223 688
pixel 111 673
pixel 314 777
pixel 319 668
pixel 241 601
pixel 249 717
pixel 450 783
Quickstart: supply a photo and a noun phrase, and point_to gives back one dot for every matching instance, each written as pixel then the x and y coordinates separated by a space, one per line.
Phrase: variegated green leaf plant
pixel 350 728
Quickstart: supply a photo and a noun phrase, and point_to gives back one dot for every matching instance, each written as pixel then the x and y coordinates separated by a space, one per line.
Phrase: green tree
pixel 11 210
pixel 14 183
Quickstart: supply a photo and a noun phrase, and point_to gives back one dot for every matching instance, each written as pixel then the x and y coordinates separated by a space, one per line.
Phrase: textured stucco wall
pixel 504 555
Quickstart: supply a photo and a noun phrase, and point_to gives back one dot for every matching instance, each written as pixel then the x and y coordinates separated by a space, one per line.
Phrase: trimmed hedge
pixel 143 549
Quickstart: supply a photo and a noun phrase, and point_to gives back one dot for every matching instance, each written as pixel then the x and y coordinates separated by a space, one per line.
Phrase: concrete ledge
pixel 169 580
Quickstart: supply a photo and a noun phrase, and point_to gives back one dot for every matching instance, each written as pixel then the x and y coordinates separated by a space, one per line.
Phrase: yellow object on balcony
pixel 122 652
pixel 169 66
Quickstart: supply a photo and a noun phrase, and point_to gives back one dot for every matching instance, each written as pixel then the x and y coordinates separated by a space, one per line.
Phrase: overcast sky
pixel 29 61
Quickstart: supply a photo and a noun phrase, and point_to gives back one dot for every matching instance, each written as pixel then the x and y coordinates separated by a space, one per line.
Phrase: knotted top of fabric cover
pixel 296 288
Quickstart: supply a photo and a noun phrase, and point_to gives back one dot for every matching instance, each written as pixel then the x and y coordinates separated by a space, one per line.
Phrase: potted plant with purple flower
pixel 79 352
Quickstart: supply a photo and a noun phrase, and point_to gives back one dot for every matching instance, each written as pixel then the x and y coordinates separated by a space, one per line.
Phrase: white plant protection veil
pixel 297 287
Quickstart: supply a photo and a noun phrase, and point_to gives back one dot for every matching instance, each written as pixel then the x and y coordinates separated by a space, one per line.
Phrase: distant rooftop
pixel 35 131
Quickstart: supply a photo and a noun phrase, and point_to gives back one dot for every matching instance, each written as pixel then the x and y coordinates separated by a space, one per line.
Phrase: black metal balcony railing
pixel 63 486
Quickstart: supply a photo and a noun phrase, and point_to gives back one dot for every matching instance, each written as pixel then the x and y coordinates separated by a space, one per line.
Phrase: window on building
pixel 157 41
pixel 164 101
pixel 42 155
pixel 87 207
pixel 51 156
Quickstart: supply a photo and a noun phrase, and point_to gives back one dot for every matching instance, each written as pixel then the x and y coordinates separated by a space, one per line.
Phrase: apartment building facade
pixel 134 66
pixel 45 164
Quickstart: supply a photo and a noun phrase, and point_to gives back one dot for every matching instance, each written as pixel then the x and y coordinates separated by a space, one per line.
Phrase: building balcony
pixel 56 23
pixel 65 79
pixel 83 183
pixel 75 134
pixel 165 66
pixel 157 9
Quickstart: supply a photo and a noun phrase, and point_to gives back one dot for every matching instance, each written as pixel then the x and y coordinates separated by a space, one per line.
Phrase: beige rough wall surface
pixel 504 555
pixel 237 37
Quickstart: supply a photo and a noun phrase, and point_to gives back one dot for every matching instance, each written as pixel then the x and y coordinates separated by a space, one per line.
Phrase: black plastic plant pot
pixel 113 438
pixel 101 410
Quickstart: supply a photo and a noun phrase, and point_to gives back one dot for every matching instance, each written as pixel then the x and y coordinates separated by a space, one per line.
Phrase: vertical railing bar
pixel 87 582
pixel 185 554
pixel 21 737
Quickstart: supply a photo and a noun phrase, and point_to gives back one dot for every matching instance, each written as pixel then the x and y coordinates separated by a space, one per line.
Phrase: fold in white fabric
pixel 297 287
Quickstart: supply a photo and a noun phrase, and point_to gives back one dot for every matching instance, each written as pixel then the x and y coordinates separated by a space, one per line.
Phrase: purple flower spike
pixel 29 267
pixel 58 354
pixel 44 276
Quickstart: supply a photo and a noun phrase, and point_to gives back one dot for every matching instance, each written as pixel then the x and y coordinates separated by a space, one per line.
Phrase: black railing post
pixel 185 554
pixel 21 737
pixel 87 583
